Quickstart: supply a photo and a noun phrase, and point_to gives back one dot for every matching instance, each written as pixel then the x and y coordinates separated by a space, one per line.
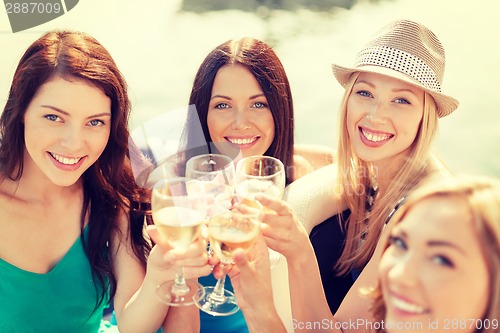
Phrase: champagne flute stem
pixel 218 294
pixel 180 288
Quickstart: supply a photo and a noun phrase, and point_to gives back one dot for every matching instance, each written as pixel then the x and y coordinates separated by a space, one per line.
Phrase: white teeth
pixel 375 137
pixel 242 141
pixel 65 160
pixel 408 307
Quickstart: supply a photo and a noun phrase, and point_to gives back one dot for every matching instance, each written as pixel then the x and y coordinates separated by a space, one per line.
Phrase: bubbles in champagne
pixel 226 234
pixel 178 225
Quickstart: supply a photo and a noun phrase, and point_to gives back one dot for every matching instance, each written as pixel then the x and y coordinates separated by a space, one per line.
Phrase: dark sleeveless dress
pixel 328 240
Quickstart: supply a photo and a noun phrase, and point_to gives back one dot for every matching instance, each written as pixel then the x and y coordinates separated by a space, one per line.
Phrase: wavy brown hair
pixel 109 185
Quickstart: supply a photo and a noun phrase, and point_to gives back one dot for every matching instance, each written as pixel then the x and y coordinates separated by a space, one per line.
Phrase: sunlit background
pixel 159 45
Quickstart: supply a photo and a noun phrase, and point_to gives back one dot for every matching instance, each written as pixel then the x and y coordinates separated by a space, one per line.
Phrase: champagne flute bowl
pixel 179 210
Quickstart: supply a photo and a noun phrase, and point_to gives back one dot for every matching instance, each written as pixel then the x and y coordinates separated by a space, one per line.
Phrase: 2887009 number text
pixel 32 8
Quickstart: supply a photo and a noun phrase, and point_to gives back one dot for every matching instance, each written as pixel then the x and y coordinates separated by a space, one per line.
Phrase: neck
pixel 385 171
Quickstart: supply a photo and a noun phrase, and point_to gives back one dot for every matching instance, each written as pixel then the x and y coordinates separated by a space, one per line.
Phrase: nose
pixel 376 113
pixel 241 121
pixel 404 272
pixel 72 139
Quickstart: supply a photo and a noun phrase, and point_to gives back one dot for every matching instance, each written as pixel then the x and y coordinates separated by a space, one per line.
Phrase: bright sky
pixel 159 51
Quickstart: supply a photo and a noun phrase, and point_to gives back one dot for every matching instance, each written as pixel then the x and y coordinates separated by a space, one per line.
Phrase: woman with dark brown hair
pixel 71 216
pixel 244 107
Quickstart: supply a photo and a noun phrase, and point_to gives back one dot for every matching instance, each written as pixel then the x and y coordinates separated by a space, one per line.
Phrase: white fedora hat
pixel 407 51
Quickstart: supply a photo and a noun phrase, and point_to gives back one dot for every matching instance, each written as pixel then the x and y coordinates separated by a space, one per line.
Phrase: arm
pixel 251 280
pixel 182 319
pixel 356 305
pixel 136 297
pixel 308 299
pixel 284 233
pixel 135 294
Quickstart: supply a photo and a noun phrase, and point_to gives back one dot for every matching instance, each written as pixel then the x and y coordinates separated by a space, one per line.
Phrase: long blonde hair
pixel 354 179
pixel 483 197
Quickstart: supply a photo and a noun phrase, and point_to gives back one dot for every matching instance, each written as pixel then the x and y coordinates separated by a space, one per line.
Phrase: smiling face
pixel 434 269
pixel 383 117
pixel 67 127
pixel 239 117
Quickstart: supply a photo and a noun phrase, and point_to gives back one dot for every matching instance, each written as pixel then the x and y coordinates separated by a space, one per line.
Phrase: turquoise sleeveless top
pixel 234 323
pixel 63 300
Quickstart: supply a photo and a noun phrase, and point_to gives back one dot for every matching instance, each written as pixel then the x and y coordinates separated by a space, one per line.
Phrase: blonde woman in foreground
pixel 439 270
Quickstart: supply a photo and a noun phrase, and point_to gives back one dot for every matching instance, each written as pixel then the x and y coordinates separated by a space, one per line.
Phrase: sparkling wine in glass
pixel 261 175
pixel 228 230
pixel 179 209
pixel 216 172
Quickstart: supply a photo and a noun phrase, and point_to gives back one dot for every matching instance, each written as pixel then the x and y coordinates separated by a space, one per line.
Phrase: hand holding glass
pixel 179 209
pixel 228 231
pixel 216 172
pixel 261 175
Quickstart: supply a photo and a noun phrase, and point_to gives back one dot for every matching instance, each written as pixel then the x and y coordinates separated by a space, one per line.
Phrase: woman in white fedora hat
pixel 388 120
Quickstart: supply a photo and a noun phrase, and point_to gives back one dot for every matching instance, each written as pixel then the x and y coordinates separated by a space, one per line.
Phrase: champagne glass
pixel 216 173
pixel 261 175
pixel 179 209
pixel 228 230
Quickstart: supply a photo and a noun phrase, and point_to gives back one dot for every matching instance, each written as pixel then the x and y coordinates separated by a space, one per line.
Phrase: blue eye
pixel 222 106
pixel 397 242
pixel 443 261
pixel 260 105
pixel 364 93
pixel 52 117
pixel 402 101
pixel 96 122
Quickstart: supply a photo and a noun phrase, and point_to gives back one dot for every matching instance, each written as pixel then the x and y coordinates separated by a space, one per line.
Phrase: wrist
pixel 302 258
pixel 263 321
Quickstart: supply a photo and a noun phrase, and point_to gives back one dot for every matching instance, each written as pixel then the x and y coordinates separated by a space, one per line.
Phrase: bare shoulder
pixel 122 235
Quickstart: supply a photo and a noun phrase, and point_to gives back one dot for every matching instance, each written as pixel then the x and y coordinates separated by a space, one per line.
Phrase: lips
pixel 242 141
pixel 374 138
pixel 65 160
pixel 66 163
pixel 406 306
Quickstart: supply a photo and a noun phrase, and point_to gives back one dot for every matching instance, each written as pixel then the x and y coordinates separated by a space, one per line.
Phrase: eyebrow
pixel 403 234
pixel 103 114
pixel 229 98
pixel 446 244
pixel 393 90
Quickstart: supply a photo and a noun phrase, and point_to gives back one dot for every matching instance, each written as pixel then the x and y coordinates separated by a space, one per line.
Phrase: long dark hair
pixel 260 59
pixel 109 186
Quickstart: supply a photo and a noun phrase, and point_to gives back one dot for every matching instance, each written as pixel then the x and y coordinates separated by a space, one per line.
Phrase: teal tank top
pixel 234 323
pixel 63 300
